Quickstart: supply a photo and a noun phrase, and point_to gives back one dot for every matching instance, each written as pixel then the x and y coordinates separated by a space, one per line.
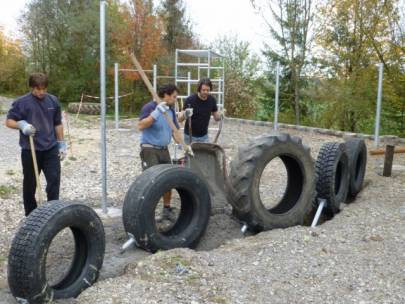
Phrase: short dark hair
pixel 38 80
pixel 204 81
pixel 168 89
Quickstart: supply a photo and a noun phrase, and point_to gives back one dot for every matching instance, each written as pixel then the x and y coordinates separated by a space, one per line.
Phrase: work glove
pixel 26 128
pixel 160 109
pixel 62 149
pixel 188 113
pixel 188 150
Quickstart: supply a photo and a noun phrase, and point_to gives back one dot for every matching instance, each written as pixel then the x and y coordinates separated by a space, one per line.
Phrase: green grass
pixel 10 172
pixel 6 191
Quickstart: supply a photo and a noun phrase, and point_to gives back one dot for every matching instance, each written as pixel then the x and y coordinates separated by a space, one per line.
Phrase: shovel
pixel 34 160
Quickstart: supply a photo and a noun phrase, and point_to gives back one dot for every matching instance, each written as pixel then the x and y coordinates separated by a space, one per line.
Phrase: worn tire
pixel 332 169
pixel 143 196
pixel 357 153
pixel 27 257
pixel 89 108
pixel 246 171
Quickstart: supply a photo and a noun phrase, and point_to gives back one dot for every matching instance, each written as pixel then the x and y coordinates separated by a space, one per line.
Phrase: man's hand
pixel 26 128
pixel 62 149
pixel 188 113
pixel 188 150
pixel 160 109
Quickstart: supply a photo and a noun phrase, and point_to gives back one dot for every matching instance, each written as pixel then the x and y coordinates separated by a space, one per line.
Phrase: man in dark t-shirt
pixel 198 108
pixel 38 114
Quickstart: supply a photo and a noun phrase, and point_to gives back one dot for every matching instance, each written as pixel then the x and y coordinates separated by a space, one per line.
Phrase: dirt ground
pixel 357 257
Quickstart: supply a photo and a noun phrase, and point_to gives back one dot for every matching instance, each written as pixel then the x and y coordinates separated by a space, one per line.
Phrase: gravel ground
pixel 357 257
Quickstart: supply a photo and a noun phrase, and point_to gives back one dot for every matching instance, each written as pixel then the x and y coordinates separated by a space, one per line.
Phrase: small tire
pixel 89 108
pixel 332 169
pixel 357 153
pixel 27 257
pixel 246 171
pixel 143 196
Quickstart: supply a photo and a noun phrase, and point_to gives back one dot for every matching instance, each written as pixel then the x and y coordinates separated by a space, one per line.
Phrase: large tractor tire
pixel 142 200
pixel 28 254
pixel 246 172
pixel 88 108
pixel 357 152
pixel 332 168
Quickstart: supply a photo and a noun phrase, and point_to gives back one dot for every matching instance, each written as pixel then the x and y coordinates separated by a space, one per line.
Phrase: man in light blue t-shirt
pixel 156 135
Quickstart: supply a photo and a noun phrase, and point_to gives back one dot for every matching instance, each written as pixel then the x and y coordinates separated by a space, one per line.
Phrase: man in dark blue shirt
pixel 38 114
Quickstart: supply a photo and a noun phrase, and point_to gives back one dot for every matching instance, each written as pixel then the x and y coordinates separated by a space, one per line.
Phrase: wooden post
pixel 389 157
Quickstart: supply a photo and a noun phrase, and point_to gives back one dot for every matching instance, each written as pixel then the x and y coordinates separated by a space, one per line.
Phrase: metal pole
pixel 189 83
pixel 277 97
pixel 378 114
pixel 117 114
pixel 155 77
pixel 103 108
pixel 209 64
pixel 322 203
pixel 175 67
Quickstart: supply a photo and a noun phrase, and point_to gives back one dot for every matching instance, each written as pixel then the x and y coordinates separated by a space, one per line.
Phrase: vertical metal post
pixel 389 158
pixel 103 108
pixel 276 105
pixel 199 68
pixel 175 66
pixel 378 113
pixel 155 77
pixel 116 96
pixel 209 64
pixel 188 83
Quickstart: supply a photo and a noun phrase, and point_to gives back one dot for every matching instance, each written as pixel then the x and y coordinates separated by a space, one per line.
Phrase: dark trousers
pixel 49 163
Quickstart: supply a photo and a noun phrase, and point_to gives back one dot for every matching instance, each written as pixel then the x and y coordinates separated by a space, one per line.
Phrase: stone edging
pixel 386 139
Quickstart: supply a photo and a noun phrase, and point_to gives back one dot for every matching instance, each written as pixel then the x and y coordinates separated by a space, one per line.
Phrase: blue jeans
pixel 195 139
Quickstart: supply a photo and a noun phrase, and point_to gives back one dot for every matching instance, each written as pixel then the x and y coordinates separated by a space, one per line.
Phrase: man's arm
pixel 216 115
pixel 59 132
pixel 181 116
pixel 12 124
pixel 145 123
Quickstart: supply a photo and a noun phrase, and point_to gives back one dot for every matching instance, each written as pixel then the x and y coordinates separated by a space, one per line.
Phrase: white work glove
pixel 62 149
pixel 160 109
pixel 188 113
pixel 26 128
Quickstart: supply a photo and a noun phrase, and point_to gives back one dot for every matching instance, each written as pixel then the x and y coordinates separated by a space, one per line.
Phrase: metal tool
pixel 35 164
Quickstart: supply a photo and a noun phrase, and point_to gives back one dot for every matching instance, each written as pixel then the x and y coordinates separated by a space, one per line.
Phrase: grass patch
pixel 6 191
pixel 72 158
pixel 10 172
pixel 2 258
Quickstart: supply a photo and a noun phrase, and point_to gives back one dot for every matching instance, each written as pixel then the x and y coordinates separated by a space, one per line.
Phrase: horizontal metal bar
pixel 192 64
pixel 196 80
pixel 132 70
pixel 212 68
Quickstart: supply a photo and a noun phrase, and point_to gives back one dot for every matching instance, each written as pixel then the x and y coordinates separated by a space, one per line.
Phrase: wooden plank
pixel 382 151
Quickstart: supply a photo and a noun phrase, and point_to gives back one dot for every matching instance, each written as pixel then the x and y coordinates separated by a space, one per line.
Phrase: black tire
pixel 246 171
pixel 27 257
pixel 332 169
pixel 143 196
pixel 89 108
pixel 357 153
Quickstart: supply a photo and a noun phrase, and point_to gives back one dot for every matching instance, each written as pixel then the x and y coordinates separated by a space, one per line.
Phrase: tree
pixel 241 76
pixel 12 66
pixel 289 24
pixel 177 28
pixel 355 36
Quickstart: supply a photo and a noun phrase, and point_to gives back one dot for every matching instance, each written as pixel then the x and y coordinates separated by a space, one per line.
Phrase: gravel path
pixel 357 257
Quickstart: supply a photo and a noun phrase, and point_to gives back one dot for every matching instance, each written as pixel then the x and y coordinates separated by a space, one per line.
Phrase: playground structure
pixel 186 76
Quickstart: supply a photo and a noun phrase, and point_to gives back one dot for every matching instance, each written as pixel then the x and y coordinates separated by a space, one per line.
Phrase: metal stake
pixel 322 203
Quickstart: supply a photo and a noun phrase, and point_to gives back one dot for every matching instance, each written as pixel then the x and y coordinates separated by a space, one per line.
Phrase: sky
pixel 211 19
